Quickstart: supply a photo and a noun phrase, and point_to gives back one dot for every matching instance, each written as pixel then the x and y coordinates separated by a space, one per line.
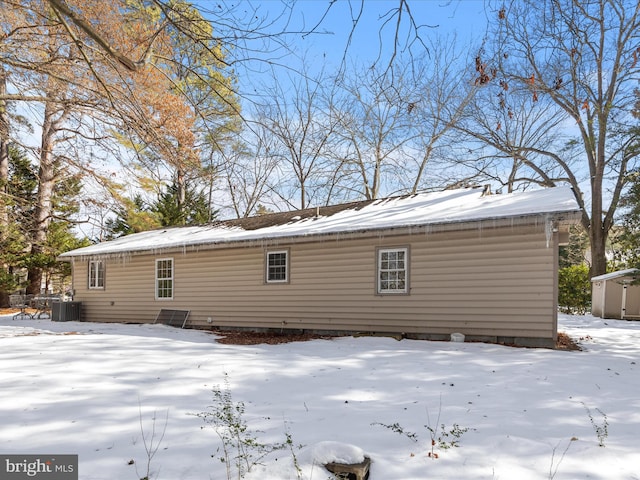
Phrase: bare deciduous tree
pixel 583 58
pixel 513 139
pixel 249 172
pixel 440 92
pixel 302 127
pixel 376 127
pixel 58 75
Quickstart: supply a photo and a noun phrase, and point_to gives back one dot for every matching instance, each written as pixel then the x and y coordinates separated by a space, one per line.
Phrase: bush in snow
pixel 241 450
pixel 574 290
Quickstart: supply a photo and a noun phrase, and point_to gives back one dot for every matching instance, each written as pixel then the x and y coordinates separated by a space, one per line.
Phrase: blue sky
pixel 372 39
pixel 466 18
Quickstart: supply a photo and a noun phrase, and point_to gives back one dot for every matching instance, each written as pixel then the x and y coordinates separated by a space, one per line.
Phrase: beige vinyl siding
pixel 128 295
pixel 490 282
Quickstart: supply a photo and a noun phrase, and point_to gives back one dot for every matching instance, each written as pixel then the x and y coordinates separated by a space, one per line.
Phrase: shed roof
pixel 449 207
pixel 618 274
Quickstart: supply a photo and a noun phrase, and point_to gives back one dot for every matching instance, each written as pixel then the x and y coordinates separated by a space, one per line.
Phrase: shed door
pixel 631 302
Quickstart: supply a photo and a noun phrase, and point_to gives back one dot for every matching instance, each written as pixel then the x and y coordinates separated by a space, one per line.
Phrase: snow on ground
pixel 95 390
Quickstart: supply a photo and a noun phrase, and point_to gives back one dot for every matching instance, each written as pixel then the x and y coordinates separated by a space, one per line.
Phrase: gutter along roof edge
pixel 564 217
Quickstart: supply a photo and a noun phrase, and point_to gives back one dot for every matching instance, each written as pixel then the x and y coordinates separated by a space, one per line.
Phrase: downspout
pixel 73 278
pixel 556 263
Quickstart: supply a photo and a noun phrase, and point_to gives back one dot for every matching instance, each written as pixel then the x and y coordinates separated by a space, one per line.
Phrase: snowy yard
pixel 95 389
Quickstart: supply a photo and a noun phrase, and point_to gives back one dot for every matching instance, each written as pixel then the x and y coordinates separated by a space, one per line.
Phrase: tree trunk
pixel 46 182
pixel 4 144
pixel 598 232
pixel 596 228
pixel 4 174
pixel 181 190
pixel 598 240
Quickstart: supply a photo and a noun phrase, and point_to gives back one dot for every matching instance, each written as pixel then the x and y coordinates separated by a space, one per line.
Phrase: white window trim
pixel 93 279
pixel 379 252
pixel 266 266
pixel 172 278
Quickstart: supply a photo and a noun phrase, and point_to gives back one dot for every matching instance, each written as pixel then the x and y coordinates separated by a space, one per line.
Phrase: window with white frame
pixel 96 274
pixel 277 267
pixel 393 270
pixel 164 278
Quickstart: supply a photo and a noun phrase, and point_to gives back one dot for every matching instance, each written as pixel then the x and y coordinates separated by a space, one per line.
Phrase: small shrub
pixel 445 439
pixel 555 464
pixel 151 441
pixel 241 450
pixel 395 427
pixel 574 289
pixel 441 437
pixel 601 428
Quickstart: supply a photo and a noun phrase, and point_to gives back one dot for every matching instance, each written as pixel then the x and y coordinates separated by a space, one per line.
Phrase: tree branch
pixel 61 8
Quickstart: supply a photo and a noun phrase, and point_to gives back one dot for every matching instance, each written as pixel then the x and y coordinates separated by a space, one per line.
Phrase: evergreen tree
pixel 194 209
pixel 574 289
pixel 574 284
pixel 574 253
pixel 18 205
pixel 132 216
pixel 41 263
pixel 135 215
pixel 16 255
pixel 60 235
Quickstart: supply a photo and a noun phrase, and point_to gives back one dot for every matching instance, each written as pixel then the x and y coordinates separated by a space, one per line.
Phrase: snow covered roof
pixel 448 207
pixel 618 274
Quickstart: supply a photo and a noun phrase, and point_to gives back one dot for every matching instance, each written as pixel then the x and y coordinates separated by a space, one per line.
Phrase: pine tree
pixel 193 209
pixel 16 255
pixel 18 206
pixel 132 216
pixel 135 215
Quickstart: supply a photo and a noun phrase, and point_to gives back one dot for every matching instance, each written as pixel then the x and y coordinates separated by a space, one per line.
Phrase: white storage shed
pixel 614 295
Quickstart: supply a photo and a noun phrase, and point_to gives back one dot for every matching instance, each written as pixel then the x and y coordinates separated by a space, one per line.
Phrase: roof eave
pixel 560 217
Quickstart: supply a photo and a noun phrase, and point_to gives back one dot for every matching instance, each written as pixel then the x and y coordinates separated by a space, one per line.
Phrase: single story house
pixel 424 265
pixel 613 295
